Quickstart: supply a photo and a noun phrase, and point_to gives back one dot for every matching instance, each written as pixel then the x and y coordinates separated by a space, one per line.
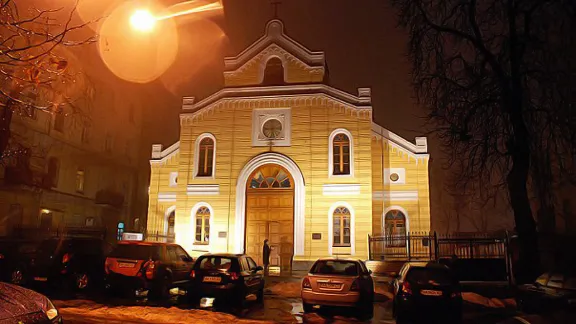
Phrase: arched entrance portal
pixel 270 214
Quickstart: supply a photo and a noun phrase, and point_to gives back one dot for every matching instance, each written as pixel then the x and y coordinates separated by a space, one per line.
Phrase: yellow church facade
pixel 279 154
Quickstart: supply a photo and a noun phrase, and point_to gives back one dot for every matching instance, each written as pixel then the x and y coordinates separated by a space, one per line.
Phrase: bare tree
pixel 496 78
pixel 34 72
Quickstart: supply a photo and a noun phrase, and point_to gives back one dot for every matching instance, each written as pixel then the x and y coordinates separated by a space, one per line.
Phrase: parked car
pixel 153 266
pixel 426 290
pixel 12 256
pixel 63 261
pixel 550 291
pixel 339 282
pixel 21 305
pixel 228 278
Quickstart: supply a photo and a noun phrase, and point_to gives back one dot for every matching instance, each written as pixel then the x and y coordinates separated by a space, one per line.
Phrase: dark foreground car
pixel 339 282
pixel 156 267
pixel 76 262
pixel 550 292
pixel 12 257
pixel 228 278
pixel 426 291
pixel 21 305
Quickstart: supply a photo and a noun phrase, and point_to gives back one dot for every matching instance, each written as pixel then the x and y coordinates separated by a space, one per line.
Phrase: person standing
pixel 266 256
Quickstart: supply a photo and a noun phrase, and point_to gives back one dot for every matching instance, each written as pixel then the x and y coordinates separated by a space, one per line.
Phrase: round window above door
pixel 272 128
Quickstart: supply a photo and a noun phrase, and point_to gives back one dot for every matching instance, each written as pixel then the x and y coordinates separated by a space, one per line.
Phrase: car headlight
pixel 51 310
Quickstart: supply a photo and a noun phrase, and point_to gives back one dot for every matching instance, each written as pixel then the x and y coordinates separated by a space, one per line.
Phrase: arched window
pixel 274 72
pixel 341 154
pixel 270 176
pixel 205 157
pixel 395 228
pixel 171 221
pixel 202 234
pixel 341 227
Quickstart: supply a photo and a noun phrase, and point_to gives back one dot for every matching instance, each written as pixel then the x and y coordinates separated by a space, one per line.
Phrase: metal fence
pixel 160 237
pixel 431 246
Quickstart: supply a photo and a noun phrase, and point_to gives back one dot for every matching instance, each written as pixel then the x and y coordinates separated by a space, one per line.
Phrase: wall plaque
pixel 222 234
pixel 316 236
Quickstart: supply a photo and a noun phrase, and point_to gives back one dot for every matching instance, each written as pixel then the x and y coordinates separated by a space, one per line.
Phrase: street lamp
pixel 142 20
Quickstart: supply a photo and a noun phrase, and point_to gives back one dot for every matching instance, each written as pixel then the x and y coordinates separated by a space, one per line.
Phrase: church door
pixel 270 215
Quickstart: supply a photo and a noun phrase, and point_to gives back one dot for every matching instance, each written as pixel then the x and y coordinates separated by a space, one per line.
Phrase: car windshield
pixel 432 276
pixel 136 252
pixel 215 263
pixel 335 267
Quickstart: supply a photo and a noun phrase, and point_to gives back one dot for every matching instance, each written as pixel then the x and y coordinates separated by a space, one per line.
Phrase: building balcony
pixel 24 176
pixel 110 198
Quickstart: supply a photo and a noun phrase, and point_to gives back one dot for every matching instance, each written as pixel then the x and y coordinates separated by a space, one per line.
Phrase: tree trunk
pixel 528 265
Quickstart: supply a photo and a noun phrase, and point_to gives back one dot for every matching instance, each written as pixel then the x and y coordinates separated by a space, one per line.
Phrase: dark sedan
pixel 21 305
pixel 226 278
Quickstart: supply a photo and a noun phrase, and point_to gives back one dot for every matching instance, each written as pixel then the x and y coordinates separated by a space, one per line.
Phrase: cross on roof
pixel 275 4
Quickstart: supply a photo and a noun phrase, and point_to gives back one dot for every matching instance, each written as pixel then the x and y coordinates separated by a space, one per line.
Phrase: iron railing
pixel 160 237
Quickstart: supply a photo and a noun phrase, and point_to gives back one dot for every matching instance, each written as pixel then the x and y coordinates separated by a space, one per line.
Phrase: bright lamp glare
pixel 142 20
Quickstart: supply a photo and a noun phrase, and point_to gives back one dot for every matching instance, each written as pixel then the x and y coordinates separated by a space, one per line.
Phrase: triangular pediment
pixel 300 65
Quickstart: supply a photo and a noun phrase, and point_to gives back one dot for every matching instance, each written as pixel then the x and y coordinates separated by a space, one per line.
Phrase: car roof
pixel 339 259
pixel 146 243
pixel 226 255
pixel 432 265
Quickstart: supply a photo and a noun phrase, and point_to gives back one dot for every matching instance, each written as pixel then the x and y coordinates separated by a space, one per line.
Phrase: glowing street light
pixel 142 20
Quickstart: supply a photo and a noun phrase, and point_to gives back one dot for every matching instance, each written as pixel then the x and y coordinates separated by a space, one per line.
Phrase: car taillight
pixel 234 275
pixel 406 289
pixel 66 258
pixel 355 286
pixel 306 283
pixel 192 274
pixel 1 256
pixel 150 267
pixel 456 294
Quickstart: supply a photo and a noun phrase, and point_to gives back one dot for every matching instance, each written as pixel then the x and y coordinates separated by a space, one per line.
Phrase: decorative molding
pixel 276 97
pixel 260 116
pixel 401 172
pixel 299 198
pixel 161 156
pixel 196 157
pixel 417 151
pixel 173 181
pixel 275 34
pixel 167 197
pixel 395 195
pixel 331 154
pixel 340 189
pixel 331 226
pixel 203 190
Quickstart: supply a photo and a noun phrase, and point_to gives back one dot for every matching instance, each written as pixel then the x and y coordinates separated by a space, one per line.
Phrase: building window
pixel 46 219
pixel 89 221
pixel 205 157
pixel 274 72
pixel 173 179
pixel 272 128
pixel 53 171
pixel 171 221
pixel 59 120
pixel 80 180
pixel 137 224
pixel 270 176
pixel 202 225
pixel 341 154
pixel 395 228
pixel 341 227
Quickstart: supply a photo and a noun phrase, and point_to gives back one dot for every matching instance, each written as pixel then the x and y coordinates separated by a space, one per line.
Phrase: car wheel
pixel 82 281
pixel 308 308
pixel 260 295
pixel 17 277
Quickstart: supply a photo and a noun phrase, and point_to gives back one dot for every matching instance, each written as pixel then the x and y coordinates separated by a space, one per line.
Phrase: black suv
pixel 227 278
pixel 68 261
pixel 426 289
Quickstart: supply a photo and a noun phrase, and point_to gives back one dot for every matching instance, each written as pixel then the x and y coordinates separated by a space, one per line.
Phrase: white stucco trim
pixel 160 156
pixel 196 157
pixel 331 226
pixel 213 233
pixel 166 196
pixel 331 154
pixel 203 190
pixel 299 198
pixel 395 195
pixel 395 207
pixel 166 215
pixel 340 189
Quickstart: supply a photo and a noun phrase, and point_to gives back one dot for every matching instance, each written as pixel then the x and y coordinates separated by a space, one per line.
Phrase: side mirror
pixel 258 268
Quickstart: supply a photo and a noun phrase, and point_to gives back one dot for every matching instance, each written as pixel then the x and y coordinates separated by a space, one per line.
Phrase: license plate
pixel 431 293
pixel 125 265
pixel 211 279
pixel 329 285
pixel 206 302
pixel 40 279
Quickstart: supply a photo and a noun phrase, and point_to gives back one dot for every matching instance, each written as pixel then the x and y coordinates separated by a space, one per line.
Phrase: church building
pixel 279 154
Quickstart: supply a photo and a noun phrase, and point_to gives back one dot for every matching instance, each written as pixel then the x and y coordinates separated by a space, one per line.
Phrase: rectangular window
pixel 59 120
pixel 80 180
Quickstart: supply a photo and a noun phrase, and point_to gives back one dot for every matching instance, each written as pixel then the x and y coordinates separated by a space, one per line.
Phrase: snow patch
pixel 286 289
pixel 477 299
